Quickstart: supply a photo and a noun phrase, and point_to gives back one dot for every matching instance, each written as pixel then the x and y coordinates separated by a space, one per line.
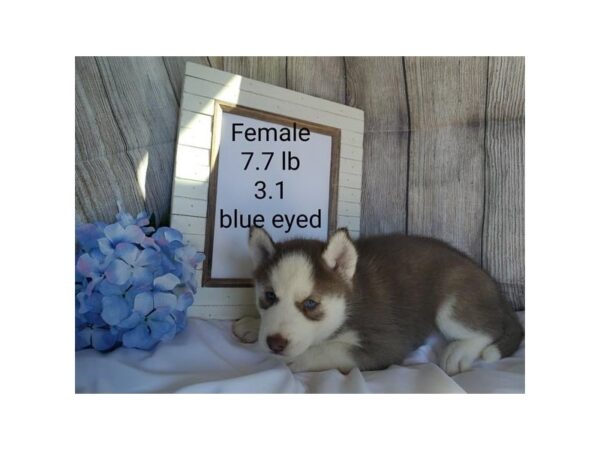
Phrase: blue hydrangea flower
pixel 189 258
pixel 130 264
pixel 88 235
pixel 116 233
pixel 133 285
pixel 142 220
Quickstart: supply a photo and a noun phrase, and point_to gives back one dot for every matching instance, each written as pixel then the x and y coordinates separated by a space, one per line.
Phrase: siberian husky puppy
pixel 368 303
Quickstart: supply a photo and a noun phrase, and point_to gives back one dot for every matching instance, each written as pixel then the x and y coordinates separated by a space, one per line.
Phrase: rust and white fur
pixel 368 303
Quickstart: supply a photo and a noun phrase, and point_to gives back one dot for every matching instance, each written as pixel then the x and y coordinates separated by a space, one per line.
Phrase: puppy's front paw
pixel 307 363
pixel 246 329
pixel 299 365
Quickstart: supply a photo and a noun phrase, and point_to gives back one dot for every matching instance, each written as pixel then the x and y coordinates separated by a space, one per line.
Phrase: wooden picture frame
pixel 206 93
pixel 220 108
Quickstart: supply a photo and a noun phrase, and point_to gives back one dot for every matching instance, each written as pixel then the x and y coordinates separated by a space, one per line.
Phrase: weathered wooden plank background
pixel 443 145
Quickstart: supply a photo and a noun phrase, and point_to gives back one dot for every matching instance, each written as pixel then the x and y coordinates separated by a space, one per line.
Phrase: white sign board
pixel 204 184
pixel 271 176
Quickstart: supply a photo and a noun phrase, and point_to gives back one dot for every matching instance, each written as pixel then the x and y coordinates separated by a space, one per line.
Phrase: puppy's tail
pixel 509 342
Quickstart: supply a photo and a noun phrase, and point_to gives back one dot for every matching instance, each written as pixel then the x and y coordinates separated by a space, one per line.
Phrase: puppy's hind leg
pixel 467 343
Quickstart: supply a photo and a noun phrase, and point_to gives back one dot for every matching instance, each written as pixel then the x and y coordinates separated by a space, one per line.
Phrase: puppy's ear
pixel 341 255
pixel 261 246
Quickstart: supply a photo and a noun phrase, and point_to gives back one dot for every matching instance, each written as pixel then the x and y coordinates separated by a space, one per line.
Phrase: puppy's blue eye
pixel 309 304
pixel 270 297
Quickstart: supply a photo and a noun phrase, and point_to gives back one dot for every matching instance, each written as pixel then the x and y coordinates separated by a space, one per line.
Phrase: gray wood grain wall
pixel 443 143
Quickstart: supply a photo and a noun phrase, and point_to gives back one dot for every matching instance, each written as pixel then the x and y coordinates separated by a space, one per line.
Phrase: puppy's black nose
pixel 277 343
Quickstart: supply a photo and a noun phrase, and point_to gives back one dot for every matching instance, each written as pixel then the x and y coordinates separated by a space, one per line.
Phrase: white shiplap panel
pixel 190 188
pixel 192 163
pixel 188 206
pixel 352 223
pixel 348 209
pixel 354 234
pixel 189 119
pixel 193 155
pixel 198 103
pixel 222 312
pixel 231 94
pixel 350 166
pixel 204 88
pixel 227 295
pixel 188 224
pixel 350 180
pixel 351 152
pixel 195 137
pixel 258 87
pixel 347 194
pixel 193 172
pixel 203 300
pixel 195 240
pixel 351 138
